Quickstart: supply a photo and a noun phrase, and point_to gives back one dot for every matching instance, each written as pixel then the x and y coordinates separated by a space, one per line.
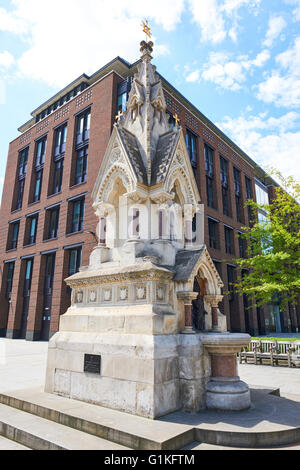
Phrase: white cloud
pixel 9 21
pixel 193 76
pixel 282 86
pixel 209 18
pixel 69 37
pixel 269 141
pixel 218 19
pixel 296 11
pixel 276 26
pixel 226 73
pixel 6 59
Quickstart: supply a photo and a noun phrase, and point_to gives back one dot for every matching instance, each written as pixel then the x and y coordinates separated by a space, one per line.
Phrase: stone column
pixel 189 212
pixel 100 253
pixel 188 297
pixel 213 301
pixel 225 390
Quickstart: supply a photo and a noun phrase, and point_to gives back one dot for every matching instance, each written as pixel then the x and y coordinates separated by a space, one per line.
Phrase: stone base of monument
pixel 227 393
pixel 142 374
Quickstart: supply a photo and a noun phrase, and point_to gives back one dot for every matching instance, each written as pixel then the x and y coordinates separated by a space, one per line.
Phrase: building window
pixel 191 144
pixel 60 141
pixel 249 196
pixel 74 261
pixel 229 241
pixel 49 275
pixel 262 195
pixel 242 247
pixel 248 188
pixel 28 277
pixel 31 230
pixel 23 160
pixel 230 280
pixel 262 217
pixel 52 219
pixel 38 185
pixel 40 152
pixel 77 216
pixel 83 125
pixel 21 176
pixel 59 153
pixel 210 191
pixel 123 93
pixel 20 194
pixel 225 186
pixel 81 165
pixel 209 169
pixel 58 176
pixel 9 279
pixel 238 195
pixel 13 235
pixel 213 233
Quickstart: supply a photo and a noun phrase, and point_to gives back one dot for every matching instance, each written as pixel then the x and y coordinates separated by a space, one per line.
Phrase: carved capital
pixel 187 296
pixel 213 300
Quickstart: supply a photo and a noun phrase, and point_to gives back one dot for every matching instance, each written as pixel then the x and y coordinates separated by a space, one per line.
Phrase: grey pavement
pixel 22 364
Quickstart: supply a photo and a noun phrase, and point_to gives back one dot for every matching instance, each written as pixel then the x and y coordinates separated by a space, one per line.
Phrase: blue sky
pixel 238 61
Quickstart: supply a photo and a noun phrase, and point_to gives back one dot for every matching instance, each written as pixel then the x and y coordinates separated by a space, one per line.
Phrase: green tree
pixel 271 268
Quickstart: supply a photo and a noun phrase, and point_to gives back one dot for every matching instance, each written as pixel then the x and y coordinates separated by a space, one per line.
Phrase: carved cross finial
pixel 146 29
pixel 177 120
pixel 119 115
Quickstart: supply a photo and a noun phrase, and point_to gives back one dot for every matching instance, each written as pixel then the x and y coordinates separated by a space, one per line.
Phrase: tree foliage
pixel 271 269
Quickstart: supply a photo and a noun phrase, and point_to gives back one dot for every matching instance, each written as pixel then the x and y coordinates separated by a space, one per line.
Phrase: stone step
pixel 270 422
pixel 38 433
pixel 131 431
pixel 7 444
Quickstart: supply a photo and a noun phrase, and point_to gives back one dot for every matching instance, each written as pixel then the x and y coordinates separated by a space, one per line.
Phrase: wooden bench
pixel 275 352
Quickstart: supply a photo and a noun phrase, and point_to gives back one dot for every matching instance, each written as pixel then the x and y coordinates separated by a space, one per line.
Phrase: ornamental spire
pixel 146 116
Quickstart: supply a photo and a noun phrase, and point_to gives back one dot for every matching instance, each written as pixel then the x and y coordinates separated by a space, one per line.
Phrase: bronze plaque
pixel 92 364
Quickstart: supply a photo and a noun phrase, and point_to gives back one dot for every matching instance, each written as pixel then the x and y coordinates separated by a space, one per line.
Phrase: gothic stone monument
pixel 144 333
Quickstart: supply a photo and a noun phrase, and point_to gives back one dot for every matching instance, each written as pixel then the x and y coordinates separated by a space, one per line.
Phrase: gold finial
pixel 146 29
pixel 119 115
pixel 177 120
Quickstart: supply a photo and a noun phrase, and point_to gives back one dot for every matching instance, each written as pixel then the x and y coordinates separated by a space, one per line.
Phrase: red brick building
pixel 47 225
